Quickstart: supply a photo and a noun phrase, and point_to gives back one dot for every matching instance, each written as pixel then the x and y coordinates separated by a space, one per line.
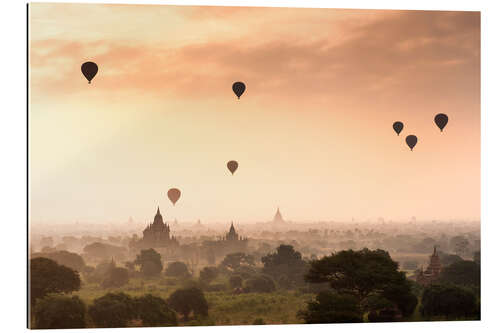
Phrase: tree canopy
pixel 47 276
pixel 362 274
pixel 154 311
pixel 208 274
pixel 56 311
pixel 149 262
pixel 330 307
pixel 177 269
pixel 112 310
pixel 234 260
pixel 452 302
pixel 185 301
pixel 65 258
pixel 465 273
pixel 285 262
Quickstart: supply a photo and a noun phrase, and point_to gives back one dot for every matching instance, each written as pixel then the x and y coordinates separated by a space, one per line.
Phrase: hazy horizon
pixel 312 133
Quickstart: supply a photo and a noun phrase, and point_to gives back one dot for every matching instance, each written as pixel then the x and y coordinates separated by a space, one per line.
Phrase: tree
pixel 65 258
pixel 177 269
pixel 259 284
pixel 460 245
pixel 285 262
pixel 47 276
pixel 465 273
pixel 56 311
pixel 208 274
pixel 112 310
pixel 235 260
pixel 104 251
pixel 235 281
pixel 362 274
pixel 330 307
pixel 154 311
pixel 359 273
pixel 449 301
pixel 448 259
pixel 116 277
pixel 150 262
pixel 185 301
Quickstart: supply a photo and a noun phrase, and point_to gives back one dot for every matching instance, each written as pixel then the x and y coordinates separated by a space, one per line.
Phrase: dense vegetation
pixel 343 287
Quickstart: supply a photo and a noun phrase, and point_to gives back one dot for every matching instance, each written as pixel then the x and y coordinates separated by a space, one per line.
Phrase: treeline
pixel 349 286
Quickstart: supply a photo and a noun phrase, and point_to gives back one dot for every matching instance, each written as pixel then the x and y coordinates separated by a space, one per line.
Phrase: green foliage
pixel 154 311
pixel 236 260
pixel 399 292
pixel 47 276
pixel 448 259
pixel 116 277
pixel 65 258
pixel 449 301
pixel 208 274
pixel 329 307
pixel 285 262
pixel 465 273
pixel 185 301
pixel 150 263
pixel 364 274
pixel 56 311
pixel 235 281
pixel 112 310
pixel 359 273
pixel 259 284
pixel 259 321
pixel 177 269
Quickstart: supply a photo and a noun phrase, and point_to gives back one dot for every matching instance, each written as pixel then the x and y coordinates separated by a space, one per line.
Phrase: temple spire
pixel 158 210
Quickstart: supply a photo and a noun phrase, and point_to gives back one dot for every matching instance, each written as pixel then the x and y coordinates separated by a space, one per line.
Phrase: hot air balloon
pixel 89 70
pixel 239 88
pixel 174 194
pixel 232 166
pixel 398 127
pixel 411 141
pixel 441 120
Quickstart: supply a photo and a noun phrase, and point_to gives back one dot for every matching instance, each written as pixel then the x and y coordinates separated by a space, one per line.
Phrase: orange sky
pixel 312 133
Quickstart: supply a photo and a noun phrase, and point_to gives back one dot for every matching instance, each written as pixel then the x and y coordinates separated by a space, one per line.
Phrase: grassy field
pixel 279 307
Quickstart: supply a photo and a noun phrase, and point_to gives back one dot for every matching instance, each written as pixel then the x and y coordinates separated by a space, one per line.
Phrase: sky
pixel 312 133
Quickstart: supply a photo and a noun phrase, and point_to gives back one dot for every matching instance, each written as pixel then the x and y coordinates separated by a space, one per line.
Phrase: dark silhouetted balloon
pixel 239 88
pixel 89 70
pixel 174 194
pixel 441 120
pixel 411 141
pixel 398 127
pixel 232 166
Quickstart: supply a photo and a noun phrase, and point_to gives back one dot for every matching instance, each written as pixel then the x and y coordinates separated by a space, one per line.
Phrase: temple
pixel 157 234
pixel 232 235
pixel 431 274
pixel 277 217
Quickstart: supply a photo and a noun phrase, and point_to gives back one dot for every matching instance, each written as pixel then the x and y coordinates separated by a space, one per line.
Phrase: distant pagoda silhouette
pixel 278 218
